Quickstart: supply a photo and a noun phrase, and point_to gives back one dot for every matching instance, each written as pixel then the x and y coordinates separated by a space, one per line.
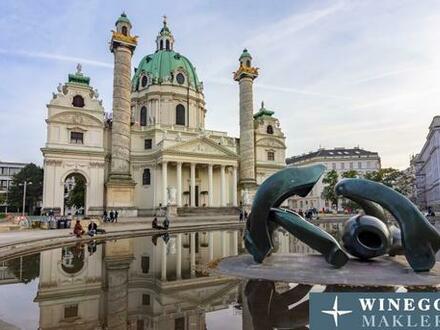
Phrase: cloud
pixel 276 33
pixel 57 57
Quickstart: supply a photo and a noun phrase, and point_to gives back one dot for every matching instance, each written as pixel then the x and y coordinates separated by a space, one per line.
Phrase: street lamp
pixel 24 184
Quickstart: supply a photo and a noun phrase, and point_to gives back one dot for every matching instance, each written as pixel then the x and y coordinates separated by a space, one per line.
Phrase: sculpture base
pixel 313 269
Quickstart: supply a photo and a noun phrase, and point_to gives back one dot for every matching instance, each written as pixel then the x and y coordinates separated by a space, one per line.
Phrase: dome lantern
pixel 165 39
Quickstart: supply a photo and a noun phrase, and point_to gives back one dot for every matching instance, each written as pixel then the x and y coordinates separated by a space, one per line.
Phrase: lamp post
pixel 24 184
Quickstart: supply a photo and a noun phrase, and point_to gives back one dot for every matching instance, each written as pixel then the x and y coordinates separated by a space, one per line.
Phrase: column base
pixel 120 196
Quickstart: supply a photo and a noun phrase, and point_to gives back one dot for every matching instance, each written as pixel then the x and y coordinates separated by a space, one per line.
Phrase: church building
pixel 154 150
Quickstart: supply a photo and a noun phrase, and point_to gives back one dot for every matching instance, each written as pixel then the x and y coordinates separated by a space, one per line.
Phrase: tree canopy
pixel 330 179
pixel 34 192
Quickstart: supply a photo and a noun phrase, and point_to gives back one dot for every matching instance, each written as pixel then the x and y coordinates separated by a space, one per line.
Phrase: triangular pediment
pixel 201 146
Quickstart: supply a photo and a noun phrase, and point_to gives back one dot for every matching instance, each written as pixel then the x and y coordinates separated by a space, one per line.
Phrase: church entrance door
pixel 196 197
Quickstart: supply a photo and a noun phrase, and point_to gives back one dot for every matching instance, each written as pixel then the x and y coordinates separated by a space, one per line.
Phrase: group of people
pixel 243 215
pixel 92 229
pixel 165 223
pixel 112 216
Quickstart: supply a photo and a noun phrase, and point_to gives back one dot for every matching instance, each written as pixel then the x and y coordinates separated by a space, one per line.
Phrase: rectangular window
pixel 76 137
pixel 179 324
pixel 342 166
pixel 270 155
pixel 148 144
pixel 70 311
pixel 146 299
pixel 140 324
pixel 351 165
pixel 359 164
pixel 368 164
pixel 334 166
pixel 145 264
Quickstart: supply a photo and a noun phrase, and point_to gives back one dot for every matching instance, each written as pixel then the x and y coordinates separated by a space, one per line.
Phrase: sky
pixel 336 73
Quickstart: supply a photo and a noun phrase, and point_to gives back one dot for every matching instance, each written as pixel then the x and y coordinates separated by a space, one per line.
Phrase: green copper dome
pixel 245 54
pixel 123 19
pixel 163 66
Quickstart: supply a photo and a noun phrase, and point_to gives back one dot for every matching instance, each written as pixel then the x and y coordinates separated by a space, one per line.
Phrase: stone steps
pixel 207 211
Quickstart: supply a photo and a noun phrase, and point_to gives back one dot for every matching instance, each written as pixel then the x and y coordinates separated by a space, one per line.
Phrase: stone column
pixel 235 243
pixel 223 243
pixel 120 164
pixel 117 291
pixel 164 183
pixel 179 184
pixel 222 186
pixel 193 254
pixel 211 246
pixel 210 190
pixel 164 262
pixel 247 145
pixel 234 186
pixel 193 185
pixel 120 186
pixel 179 257
pixel 245 76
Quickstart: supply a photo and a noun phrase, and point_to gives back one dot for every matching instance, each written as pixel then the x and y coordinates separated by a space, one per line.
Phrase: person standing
pixel 112 215
pixel 104 216
pixel 116 215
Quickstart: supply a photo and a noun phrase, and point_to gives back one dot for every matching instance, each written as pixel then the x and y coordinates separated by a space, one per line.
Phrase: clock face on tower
pixel 180 78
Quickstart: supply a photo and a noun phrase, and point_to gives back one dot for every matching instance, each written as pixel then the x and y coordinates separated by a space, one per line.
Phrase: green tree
pixel 396 179
pixel 330 179
pixel 350 174
pixel 77 195
pixel 34 192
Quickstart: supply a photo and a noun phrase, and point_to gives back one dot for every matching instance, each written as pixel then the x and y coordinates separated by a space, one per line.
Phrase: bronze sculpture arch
pixel 420 240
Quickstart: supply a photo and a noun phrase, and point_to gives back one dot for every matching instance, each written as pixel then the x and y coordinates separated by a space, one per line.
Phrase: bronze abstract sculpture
pixel 365 237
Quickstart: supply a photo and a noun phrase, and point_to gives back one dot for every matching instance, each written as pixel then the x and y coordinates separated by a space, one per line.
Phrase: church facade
pixel 154 149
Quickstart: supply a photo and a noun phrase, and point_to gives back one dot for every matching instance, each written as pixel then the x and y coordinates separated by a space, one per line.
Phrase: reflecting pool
pixel 151 282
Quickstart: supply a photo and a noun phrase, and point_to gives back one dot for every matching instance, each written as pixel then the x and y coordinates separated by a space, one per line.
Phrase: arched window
pixel 124 30
pixel 146 177
pixel 143 116
pixel 180 115
pixel 167 44
pixel 144 81
pixel 161 45
pixel 248 63
pixel 269 129
pixel 78 101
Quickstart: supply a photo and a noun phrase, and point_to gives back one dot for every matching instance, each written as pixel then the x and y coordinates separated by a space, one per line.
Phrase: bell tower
pixel 245 76
pixel 120 185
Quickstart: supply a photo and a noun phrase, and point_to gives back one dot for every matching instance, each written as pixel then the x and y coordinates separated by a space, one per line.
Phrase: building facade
pixel 7 172
pixel 339 159
pixel 154 149
pixel 427 168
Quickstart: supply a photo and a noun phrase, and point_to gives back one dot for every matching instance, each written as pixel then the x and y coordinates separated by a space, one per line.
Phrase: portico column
pixel 164 183
pixel 211 246
pixel 193 254
pixel 234 186
pixel 164 262
pixel 179 184
pixel 193 185
pixel 223 243
pixel 235 242
pixel 222 186
pixel 179 257
pixel 210 191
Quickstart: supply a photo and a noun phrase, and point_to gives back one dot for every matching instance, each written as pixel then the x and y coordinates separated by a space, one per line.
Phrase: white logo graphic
pixel 335 312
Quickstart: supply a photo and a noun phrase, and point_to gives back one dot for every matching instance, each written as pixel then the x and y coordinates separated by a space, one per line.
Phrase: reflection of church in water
pixel 136 283
pixel 141 283
pixel 154 282
pixel 155 144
